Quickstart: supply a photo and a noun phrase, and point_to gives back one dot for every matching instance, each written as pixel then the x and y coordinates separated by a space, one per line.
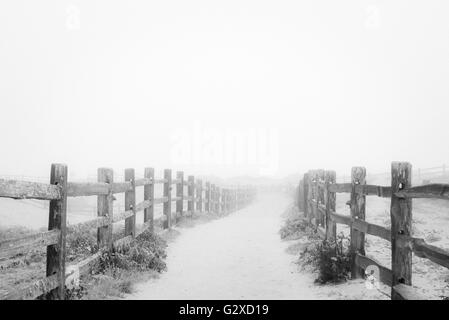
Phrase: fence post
pixel 330 200
pixel 227 202
pixel 299 195
pixel 320 176
pixel 56 253
pixel 179 192
pixel 207 195
pixel 191 194
pixel 212 197
pixel 218 207
pixel 167 201
pixel 199 195
pixel 358 177
pixel 237 204
pixel 236 198
pixel 105 209
pixel 311 195
pixel 306 194
pixel 148 194
pixel 223 200
pixel 401 226
pixel 130 203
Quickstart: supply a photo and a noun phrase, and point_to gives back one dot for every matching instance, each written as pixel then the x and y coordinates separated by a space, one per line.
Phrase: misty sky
pixel 333 84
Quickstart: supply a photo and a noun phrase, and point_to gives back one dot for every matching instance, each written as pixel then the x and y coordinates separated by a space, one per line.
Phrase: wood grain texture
pixel 81 189
pixel 330 201
pixel 130 203
pixel 401 225
pixel 29 190
pixel 358 203
pixel 207 195
pixel 180 192
pixel 167 194
pixel 11 247
pixel 406 292
pixel 148 195
pixel 199 197
pixel 34 290
pixel 57 220
pixel 340 218
pixel 305 194
pixel 436 191
pixel 191 193
pixel 105 209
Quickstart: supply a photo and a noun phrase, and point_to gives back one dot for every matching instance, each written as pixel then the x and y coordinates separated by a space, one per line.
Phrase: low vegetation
pixel 330 260
pixel 118 271
pixel 115 275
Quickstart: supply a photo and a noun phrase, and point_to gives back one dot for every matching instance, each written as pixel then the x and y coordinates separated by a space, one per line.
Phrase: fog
pixel 223 88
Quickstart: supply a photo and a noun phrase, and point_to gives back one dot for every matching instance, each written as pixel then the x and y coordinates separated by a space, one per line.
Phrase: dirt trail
pixel 239 256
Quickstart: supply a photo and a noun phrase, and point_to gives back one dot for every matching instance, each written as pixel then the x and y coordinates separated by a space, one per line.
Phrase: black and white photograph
pixel 221 155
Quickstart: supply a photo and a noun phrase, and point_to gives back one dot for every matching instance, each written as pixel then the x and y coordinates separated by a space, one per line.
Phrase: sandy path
pixel 239 256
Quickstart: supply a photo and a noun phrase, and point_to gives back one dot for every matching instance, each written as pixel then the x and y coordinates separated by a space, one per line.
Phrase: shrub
pixel 330 258
pixel 147 252
pixel 119 270
pixel 293 228
pixel 80 243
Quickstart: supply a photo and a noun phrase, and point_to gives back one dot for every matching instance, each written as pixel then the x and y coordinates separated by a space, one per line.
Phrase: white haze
pixel 119 83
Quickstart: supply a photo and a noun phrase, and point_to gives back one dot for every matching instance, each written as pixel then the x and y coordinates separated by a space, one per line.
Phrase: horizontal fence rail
pixel 52 286
pixel 316 197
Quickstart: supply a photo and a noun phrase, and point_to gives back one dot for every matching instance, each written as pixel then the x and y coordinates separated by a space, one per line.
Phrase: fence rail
pixel 215 199
pixel 316 196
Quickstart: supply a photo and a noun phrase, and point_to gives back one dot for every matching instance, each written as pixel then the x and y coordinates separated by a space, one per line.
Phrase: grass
pixel 116 274
pixel 330 260
pixel 119 271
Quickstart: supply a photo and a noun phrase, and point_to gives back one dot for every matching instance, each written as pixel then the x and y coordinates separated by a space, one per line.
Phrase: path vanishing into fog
pixel 240 256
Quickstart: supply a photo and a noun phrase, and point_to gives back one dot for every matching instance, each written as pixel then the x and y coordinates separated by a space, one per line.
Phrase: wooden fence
pixel 214 198
pixel 317 197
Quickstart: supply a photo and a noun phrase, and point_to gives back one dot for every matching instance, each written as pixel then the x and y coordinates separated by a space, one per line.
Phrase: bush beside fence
pixel 316 196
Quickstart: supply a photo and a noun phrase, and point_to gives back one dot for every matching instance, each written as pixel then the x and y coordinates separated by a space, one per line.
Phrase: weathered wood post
pixel 401 226
pixel 223 200
pixel 236 199
pixel 212 198
pixel 207 202
pixel 148 194
pixel 167 200
pixel 299 195
pixel 105 209
pixel 179 192
pixel 330 200
pixel 306 194
pixel 217 204
pixel 358 201
pixel 130 203
pixel 319 197
pixel 199 195
pixel 310 197
pixel 191 194
pixel 56 253
pixel 227 201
